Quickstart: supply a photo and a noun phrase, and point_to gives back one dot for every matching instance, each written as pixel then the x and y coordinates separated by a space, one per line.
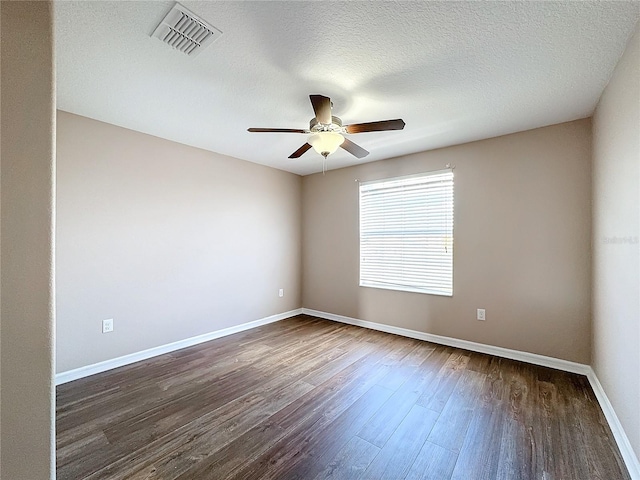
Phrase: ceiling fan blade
pixel 277 130
pixel 397 124
pixel 300 151
pixel 354 149
pixel 322 108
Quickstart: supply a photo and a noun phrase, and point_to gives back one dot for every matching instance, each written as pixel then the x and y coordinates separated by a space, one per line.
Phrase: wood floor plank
pixel 588 429
pixel 399 452
pixel 336 365
pixel 445 381
pixel 179 451
pixel 413 364
pixel 451 428
pixel 432 463
pixel 351 461
pixel 515 459
pixel 486 428
pixel 266 390
pixel 306 451
pixel 302 414
pixel 380 428
pixel 291 400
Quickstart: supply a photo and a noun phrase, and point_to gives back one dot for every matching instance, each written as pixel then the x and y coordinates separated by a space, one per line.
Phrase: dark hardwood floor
pixel 311 399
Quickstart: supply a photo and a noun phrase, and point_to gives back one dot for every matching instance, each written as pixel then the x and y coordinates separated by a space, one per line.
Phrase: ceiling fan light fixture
pixel 325 143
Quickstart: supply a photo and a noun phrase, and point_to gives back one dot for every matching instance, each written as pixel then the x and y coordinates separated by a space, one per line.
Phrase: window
pixel 406 233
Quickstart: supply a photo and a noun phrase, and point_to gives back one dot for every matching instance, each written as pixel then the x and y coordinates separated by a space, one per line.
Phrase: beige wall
pixel 616 214
pixel 522 243
pixel 168 240
pixel 27 186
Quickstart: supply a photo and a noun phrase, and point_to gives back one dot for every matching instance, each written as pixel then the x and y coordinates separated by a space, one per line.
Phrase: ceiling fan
pixel 327 131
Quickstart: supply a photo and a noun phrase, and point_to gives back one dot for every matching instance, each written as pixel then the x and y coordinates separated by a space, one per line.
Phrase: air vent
pixel 185 31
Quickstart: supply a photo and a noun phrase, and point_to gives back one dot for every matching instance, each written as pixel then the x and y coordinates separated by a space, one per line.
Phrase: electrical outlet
pixel 281 292
pixel 107 325
pixel 481 314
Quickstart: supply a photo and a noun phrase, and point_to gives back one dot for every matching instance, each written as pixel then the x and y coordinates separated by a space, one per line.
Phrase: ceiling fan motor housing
pixel 334 126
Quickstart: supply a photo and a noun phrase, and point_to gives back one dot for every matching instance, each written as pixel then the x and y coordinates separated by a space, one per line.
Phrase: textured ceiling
pixel 454 71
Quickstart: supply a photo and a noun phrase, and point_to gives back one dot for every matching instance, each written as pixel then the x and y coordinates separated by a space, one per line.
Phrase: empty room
pixel 320 240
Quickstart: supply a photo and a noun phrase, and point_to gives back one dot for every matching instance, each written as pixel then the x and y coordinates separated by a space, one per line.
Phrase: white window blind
pixel 406 233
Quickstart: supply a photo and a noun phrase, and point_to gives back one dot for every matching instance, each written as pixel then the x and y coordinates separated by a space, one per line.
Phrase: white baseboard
pixel 527 357
pixel 100 367
pixel 628 455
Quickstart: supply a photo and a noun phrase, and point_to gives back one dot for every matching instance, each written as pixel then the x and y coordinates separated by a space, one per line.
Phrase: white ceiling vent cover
pixel 185 31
